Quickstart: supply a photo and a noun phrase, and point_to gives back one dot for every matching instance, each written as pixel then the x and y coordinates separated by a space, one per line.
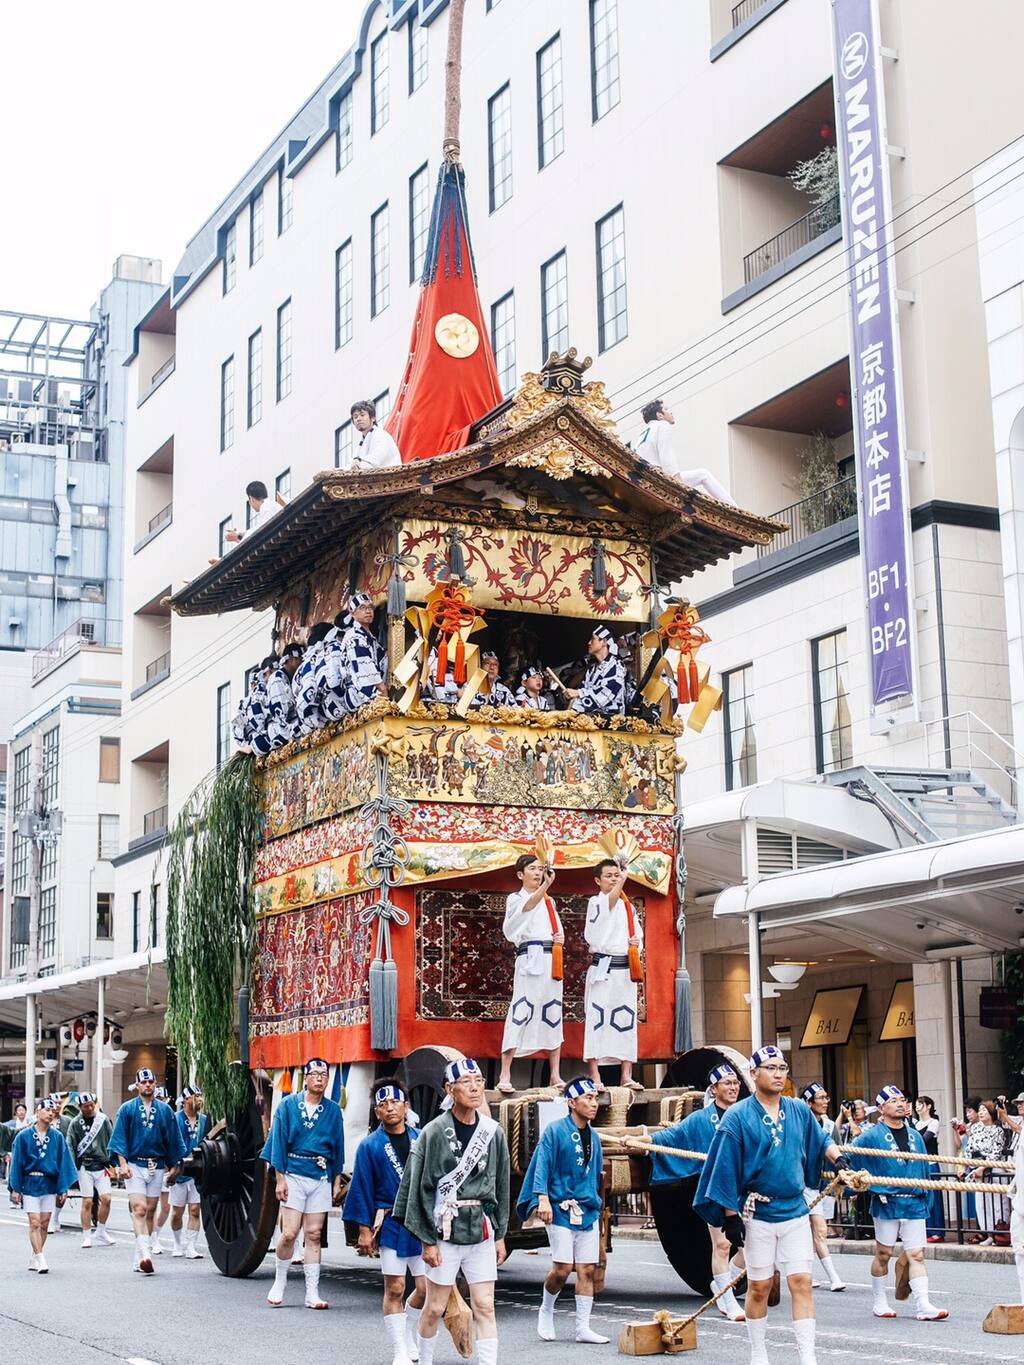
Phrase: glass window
pixel 382 403
pixel 47 924
pixel 833 740
pixel 344 443
pixel 343 294
pixel 136 914
pixel 740 737
pixel 108 837
pixel 554 305
pixel 104 914
pixel 419 220
pixel 256 226
pixel 419 46
pixel 110 760
pixel 379 82
pixel 51 768
pixel 604 57
pixel 283 486
pixel 499 147
pixel 154 922
pixel 611 279
pixel 21 801
pixel 227 403
pixel 550 135
pixel 254 402
pixel 344 143
pixel 503 340
pixel 284 350
pixel 223 544
pixel 380 261
pixel 223 723
pixel 230 258
pixel 284 201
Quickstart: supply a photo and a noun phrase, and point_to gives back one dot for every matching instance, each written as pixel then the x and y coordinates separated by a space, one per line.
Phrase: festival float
pixel 349 889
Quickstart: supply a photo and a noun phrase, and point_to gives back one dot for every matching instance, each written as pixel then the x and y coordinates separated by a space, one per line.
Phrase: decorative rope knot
pixel 388 746
pixel 384 910
pixel 679 630
pixel 451 613
pixel 859 1181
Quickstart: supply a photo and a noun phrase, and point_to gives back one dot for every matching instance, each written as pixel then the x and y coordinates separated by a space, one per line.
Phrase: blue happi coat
pixel 311 1147
pixel 695 1133
pixel 190 1138
pixel 560 1170
pixel 752 1152
pixel 375 1181
pixel 889 1202
pixel 159 1141
pixel 38 1172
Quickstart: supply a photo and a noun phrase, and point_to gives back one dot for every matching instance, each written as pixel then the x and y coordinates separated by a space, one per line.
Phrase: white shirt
pixel 526 926
pixel 377 450
pixel 607 927
pixel 655 445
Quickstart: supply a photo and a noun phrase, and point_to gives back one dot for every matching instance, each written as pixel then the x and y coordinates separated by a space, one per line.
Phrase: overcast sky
pixel 124 127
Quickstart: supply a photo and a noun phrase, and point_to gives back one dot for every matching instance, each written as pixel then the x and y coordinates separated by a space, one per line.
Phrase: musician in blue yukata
pixel 306 1149
pixel 282 720
pixel 562 1186
pixel 42 1171
pixel 379 1166
pixel 695 1134
pixel 251 714
pixel 192 1125
pixel 149 1147
pixel 603 689
pixel 493 691
pixel 308 683
pixel 765 1152
pixel 357 666
pixel 532 691
pixel 898 1214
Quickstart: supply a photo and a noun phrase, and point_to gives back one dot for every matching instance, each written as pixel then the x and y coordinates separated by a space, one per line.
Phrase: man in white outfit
pixel 610 995
pixel 534 1022
pixel 655 445
pixel 1017 1198
pixel 377 449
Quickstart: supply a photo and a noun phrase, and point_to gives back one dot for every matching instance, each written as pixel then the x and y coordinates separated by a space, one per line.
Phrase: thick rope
pixel 971 1162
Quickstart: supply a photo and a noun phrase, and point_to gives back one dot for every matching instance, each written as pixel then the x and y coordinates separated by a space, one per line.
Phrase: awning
pixel 136 986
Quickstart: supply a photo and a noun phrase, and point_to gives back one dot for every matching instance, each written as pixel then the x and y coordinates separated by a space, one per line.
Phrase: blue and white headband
pixel 577 1089
pixel 190 1092
pixel 357 600
pixel 766 1054
pixel 721 1073
pixel 86 1097
pixel 528 673
pixel 809 1091
pixel 315 1064
pixel 889 1092
pixel 46 1102
pixel 603 633
pixel 457 1071
pixel 390 1092
pixel 144 1073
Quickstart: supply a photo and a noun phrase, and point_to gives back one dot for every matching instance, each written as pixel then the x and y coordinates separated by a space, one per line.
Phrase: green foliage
pixel 1013 1039
pixel 211 926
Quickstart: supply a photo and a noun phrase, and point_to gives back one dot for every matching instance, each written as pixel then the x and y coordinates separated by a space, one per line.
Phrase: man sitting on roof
pixel 655 446
pixel 603 689
pixel 493 691
pixel 355 664
pixel 255 496
pixel 532 693
pixel 377 449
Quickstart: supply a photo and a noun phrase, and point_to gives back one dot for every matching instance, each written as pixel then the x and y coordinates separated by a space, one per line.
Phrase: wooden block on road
pixel 645 1338
pixel 1006 1318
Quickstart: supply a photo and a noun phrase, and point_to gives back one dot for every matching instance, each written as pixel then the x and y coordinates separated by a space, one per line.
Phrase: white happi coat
pixel 1017 1206
pixel 610 998
pixel 534 1021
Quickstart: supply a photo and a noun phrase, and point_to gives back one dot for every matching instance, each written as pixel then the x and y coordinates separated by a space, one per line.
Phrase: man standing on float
pixel 534 1020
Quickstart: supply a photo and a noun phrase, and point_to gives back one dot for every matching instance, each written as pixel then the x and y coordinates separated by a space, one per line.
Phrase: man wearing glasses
pixel 766 1151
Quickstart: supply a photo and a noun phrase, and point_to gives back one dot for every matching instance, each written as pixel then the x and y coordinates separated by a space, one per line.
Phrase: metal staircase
pixel 930 803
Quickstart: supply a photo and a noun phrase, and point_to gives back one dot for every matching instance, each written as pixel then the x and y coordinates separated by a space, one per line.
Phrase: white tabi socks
pixel 1019 1258
pixel 425 1349
pixel 412 1325
pixel 584 1307
pixel 394 1324
pixel 757 1329
pixel 179 1241
pixel 924 1309
pixel 879 1302
pixel 727 1304
pixel 142 1252
pixel 834 1282
pixel 487 1351
pixel 311 1271
pixel 191 1237
pixel 276 1296
pixel 546 1317
pixel 804 1329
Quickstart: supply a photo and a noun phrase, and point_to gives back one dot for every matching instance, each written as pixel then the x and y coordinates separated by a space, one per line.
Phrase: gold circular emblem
pixel 456 336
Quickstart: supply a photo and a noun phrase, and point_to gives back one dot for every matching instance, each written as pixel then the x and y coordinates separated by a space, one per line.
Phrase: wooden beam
pixel 1007 1319
pixel 645 1338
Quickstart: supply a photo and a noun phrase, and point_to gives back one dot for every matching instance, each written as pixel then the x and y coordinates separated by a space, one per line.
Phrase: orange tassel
pixel 682 690
pixel 442 660
pixel 636 967
pixel 460 660
pixel 557 962
pixel 694 680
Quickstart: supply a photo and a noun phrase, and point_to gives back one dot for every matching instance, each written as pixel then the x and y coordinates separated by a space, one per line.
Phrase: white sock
pixel 141 1248
pixel 179 1238
pixel 311 1271
pixel 727 1303
pixel 756 1330
pixel 412 1324
pixel 487 1351
pixel 584 1331
pixel 804 1329
pixel 425 1348
pixel 830 1270
pixel 919 1290
pixel 280 1277
pixel 394 1324
pixel 548 1303
pixel 1019 1258
pixel 879 1300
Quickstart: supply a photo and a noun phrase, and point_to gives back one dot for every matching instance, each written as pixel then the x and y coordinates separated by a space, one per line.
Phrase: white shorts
pixel 478 1262
pixel 912 1232
pixel 575 1246
pixel 824 1208
pixel 185 1193
pixel 39 1203
pixel 393 1264
pixel 93 1182
pixel 306 1195
pixel 144 1181
pixel 786 1247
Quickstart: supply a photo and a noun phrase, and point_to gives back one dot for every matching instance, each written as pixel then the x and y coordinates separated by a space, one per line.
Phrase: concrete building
pixel 629 190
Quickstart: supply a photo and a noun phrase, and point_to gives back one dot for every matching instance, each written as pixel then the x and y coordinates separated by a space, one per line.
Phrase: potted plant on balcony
pixel 818 178
pixel 825 498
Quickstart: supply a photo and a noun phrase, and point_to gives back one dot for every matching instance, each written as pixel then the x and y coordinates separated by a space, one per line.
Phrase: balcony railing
pixel 744 10
pixel 158 377
pixel 822 509
pixel 162 517
pixel 154 820
pixel 805 230
pixel 79 632
pixel 158 666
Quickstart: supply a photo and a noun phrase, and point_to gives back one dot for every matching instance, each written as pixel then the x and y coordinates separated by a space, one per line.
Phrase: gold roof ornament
pixel 561 377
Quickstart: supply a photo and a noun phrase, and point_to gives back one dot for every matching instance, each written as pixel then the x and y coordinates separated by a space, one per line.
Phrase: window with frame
pixel 343 295
pixel 499 147
pixel 379 107
pixel 382 404
pixel 554 305
pixel 223 724
pixel 108 837
pixel 48 924
pixel 283 484
pixel 550 129
pixel 503 340
pixel 419 48
pixel 380 261
pixel 344 445
pixel 285 205
pixel 154 918
pixel 230 274
pixel 136 921
pixel 611 279
pixel 739 730
pixel 104 914
pixel 227 403
pixel 344 146
pixel 21 801
pixel 254 399
pixel 419 220
pixel 256 226
pixel 833 730
pixel 284 350
pixel 51 768
pixel 223 544
pixel 604 57
pixel 110 760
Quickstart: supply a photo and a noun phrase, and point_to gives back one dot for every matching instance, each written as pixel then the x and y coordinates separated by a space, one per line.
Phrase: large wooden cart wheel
pixel 691 1068
pixel 238 1200
pixel 422 1074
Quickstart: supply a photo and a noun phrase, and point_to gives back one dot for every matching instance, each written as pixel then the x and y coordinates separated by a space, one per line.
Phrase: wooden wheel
pixel 238 1200
pixel 691 1068
pixel 684 1236
pixel 422 1074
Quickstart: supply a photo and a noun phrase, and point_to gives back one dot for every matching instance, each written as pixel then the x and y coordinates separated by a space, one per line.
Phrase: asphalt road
pixel 92 1308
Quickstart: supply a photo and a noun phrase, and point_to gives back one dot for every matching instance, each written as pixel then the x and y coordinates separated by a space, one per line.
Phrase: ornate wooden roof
pixel 553 450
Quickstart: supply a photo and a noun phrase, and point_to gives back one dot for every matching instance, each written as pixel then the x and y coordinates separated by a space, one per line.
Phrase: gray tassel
pixel 684 1008
pixel 598 571
pixel 456 559
pixel 396 594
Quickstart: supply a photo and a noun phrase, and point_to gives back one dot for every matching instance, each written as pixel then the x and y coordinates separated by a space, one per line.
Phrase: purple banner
pixel 875 373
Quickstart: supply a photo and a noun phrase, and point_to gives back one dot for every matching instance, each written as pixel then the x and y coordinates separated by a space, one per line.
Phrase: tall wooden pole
pixel 451 148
